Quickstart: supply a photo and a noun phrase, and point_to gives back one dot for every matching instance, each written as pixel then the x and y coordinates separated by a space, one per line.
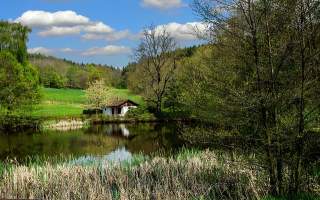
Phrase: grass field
pixel 71 102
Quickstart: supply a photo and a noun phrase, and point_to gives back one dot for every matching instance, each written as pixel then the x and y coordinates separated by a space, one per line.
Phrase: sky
pixel 99 31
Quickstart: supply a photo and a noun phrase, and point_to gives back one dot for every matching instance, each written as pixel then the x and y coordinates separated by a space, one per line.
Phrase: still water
pixel 112 142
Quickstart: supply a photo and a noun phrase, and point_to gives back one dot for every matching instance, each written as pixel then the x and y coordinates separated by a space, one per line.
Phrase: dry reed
pixel 200 176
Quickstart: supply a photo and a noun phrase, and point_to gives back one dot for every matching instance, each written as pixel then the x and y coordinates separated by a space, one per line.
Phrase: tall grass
pixel 191 175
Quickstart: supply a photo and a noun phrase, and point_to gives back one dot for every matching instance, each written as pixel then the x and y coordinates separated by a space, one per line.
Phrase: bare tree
pixel 156 55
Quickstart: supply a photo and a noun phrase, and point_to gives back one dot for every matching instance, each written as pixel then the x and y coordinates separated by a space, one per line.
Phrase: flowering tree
pixel 97 94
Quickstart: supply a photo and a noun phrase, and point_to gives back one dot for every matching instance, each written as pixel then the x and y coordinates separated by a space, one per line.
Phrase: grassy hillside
pixel 71 102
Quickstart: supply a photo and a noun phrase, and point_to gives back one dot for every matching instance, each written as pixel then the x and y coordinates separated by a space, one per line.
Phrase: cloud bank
pixel 183 32
pixel 162 4
pixel 62 23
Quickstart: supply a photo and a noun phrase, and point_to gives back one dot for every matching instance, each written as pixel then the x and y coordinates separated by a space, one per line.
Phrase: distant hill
pixel 62 73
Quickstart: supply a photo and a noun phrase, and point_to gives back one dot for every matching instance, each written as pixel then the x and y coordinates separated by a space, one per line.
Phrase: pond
pixel 110 141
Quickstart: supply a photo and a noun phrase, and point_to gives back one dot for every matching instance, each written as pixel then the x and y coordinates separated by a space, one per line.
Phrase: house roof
pixel 119 102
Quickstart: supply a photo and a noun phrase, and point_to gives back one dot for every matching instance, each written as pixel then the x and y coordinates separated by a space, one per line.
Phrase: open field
pixel 71 102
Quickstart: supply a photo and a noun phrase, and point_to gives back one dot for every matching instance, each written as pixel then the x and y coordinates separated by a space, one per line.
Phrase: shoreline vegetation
pixel 190 174
pixel 62 109
pixel 65 124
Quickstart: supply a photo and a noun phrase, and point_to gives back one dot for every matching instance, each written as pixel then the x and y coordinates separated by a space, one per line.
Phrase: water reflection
pixel 117 156
pixel 112 141
pixel 116 130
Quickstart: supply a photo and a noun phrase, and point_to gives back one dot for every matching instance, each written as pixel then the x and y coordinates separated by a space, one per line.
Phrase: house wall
pixel 107 111
pixel 125 109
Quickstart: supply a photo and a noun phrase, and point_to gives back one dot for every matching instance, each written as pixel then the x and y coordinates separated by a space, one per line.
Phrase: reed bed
pixel 200 175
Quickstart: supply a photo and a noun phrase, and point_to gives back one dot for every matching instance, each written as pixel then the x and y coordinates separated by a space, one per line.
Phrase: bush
pixel 140 112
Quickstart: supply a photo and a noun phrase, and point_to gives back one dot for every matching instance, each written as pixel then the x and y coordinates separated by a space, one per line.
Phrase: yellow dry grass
pixel 200 176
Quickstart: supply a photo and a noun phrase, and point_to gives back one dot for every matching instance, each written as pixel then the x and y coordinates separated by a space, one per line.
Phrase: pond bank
pixel 20 123
pixel 78 123
pixel 138 120
pixel 65 125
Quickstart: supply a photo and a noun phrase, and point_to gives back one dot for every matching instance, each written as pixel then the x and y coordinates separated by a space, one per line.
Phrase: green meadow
pixel 71 102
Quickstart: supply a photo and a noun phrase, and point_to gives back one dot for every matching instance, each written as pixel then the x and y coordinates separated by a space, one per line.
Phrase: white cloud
pixel 38 18
pixel 60 31
pixel 107 50
pixel 162 4
pixel 67 50
pixel 63 23
pixel 98 28
pixel 112 36
pixel 50 51
pixel 187 31
pixel 40 50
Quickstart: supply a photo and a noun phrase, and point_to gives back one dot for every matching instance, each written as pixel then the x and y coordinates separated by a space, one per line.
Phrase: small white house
pixel 119 108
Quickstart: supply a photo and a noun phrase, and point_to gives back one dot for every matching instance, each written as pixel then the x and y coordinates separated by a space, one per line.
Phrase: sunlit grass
pixel 71 102
pixel 127 94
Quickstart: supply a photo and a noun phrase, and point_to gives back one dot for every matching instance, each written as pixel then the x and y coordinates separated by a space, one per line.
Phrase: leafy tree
pixel 49 77
pixel 97 94
pixel 19 84
pixel 19 81
pixel 156 57
pixel 194 83
pixel 77 78
pixel 14 38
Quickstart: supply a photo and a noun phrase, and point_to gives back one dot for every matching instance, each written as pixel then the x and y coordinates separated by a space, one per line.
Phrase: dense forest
pixel 62 73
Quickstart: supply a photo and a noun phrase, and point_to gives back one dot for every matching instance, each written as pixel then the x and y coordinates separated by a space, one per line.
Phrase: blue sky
pixel 99 31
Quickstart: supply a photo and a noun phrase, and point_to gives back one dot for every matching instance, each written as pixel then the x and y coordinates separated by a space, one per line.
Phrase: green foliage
pixel 19 83
pixel 191 91
pixel 13 38
pixel 58 73
pixel 141 112
pixel 98 95
pixel 263 74
pixel 180 94
pixel 127 94
pixel 49 77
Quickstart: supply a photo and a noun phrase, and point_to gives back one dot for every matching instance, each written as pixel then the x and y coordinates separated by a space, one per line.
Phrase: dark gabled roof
pixel 119 102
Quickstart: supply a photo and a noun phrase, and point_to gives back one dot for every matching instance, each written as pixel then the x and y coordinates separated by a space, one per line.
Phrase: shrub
pixel 140 112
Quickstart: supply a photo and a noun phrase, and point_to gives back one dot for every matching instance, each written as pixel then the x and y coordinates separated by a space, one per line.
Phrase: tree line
pixel 61 73
pixel 259 72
